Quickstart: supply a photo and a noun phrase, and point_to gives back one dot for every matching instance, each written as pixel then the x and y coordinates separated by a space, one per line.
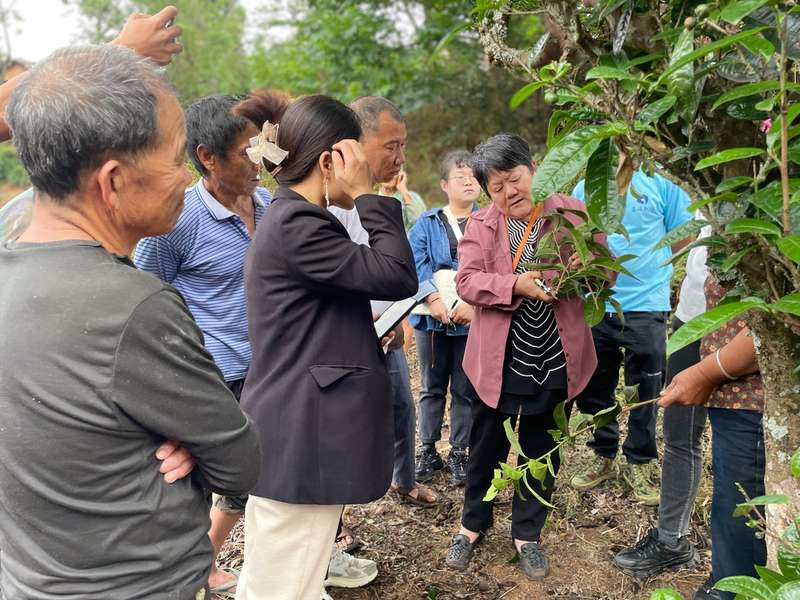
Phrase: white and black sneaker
pixel 707 591
pixel 427 463
pixel 650 556
pixel 457 466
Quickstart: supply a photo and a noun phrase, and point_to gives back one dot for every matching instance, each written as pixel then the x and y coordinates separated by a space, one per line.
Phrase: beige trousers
pixel 287 548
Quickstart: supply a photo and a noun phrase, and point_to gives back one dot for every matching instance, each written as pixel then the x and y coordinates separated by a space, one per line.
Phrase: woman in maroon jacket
pixel 526 352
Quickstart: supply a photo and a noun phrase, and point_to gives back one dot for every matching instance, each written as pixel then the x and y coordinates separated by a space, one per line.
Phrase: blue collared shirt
pixel 204 258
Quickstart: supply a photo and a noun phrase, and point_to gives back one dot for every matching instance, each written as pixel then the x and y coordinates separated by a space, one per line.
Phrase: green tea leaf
pixel 491 494
pixel 618 308
pixel 709 321
pixel 753 226
pixel 630 394
pixel 500 484
pixel 788 304
pixel 733 182
pixel 790 246
pixel 605 205
pixel 605 416
pixel 513 438
pixel 510 471
pixel 665 594
pixel 729 197
pixel 705 51
pixel 761 500
pixel 759 47
pixel 710 241
pixel 610 73
pixel 560 417
pixel 560 117
pixel 788 591
pixel 681 82
pixel 796 463
pixel 736 11
pixel 728 156
pixel 682 152
pixel 579 421
pixel 772 578
pixel 593 313
pixel 639 60
pixel 537 469
pixel 681 232
pixel 523 93
pixel 566 159
pixel 653 111
pixel 746 90
pixel 537 496
pixel 668 34
pixel 735 258
pixel 789 563
pixel 749 586
pixel 445 41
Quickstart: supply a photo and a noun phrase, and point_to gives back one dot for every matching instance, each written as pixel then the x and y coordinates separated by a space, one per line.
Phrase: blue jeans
pixel 683 451
pixel 404 419
pixel 440 361
pixel 738 457
pixel 644 339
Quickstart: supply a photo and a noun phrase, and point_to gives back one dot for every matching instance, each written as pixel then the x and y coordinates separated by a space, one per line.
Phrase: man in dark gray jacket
pixel 101 364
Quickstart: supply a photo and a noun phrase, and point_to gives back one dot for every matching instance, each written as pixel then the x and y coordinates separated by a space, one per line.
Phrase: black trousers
pixel 488 446
pixel 644 339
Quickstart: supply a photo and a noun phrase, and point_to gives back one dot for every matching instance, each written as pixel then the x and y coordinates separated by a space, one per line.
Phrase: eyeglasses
pixel 463 179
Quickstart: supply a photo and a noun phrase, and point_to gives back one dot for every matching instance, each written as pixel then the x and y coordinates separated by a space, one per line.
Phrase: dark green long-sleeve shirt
pixel 99 364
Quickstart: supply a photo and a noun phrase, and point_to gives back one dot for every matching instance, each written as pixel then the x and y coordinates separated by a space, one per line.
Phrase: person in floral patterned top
pixel 728 382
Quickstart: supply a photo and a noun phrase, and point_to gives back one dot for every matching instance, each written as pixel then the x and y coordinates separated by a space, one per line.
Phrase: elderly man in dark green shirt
pixel 100 363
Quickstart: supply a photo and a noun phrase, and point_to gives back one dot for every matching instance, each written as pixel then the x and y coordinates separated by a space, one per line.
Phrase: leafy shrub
pixel 11 171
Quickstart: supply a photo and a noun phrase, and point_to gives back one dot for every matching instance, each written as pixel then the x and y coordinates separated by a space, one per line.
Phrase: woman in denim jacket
pixel 441 332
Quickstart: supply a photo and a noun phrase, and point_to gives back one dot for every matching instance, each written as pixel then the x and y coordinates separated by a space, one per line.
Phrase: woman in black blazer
pixel 318 386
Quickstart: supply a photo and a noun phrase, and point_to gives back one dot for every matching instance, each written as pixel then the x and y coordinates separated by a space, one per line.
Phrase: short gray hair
pixel 369 110
pixel 503 152
pixel 80 106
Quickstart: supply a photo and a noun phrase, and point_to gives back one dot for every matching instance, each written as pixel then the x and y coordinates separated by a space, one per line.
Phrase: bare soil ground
pixel 580 538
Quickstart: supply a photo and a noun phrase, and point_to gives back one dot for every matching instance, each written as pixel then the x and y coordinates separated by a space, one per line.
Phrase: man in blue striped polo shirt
pixel 204 258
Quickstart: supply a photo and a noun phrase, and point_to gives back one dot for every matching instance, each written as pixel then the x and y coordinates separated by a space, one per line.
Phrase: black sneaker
pixel 427 461
pixel 457 465
pixel 533 561
pixel 707 591
pixel 460 552
pixel 650 556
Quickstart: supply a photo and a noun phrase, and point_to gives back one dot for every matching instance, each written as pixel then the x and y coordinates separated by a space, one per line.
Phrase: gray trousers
pixel 405 419
pixel 440 363
pixel 683 451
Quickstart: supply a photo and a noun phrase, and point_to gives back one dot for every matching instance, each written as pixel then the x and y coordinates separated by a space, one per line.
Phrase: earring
pixel 327 199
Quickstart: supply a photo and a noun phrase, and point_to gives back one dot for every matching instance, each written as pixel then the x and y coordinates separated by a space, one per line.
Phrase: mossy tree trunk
pixel 776 346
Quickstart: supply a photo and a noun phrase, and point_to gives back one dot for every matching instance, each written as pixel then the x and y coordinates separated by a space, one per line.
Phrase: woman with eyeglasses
pixel 442 323
pixel 318 385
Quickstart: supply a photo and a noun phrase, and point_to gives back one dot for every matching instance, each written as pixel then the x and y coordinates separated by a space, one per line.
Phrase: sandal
pixel 222 590
pixel 422 491
pixel 342 537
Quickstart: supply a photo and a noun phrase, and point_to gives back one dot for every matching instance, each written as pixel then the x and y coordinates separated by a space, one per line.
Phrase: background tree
pixel 703 92
pixel 349 49
pixel 213 60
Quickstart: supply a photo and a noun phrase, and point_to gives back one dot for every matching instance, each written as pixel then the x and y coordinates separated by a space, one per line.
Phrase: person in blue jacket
pixel 441 331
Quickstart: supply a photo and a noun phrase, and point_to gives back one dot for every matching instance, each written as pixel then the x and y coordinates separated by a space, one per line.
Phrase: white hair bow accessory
pixel 264 145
